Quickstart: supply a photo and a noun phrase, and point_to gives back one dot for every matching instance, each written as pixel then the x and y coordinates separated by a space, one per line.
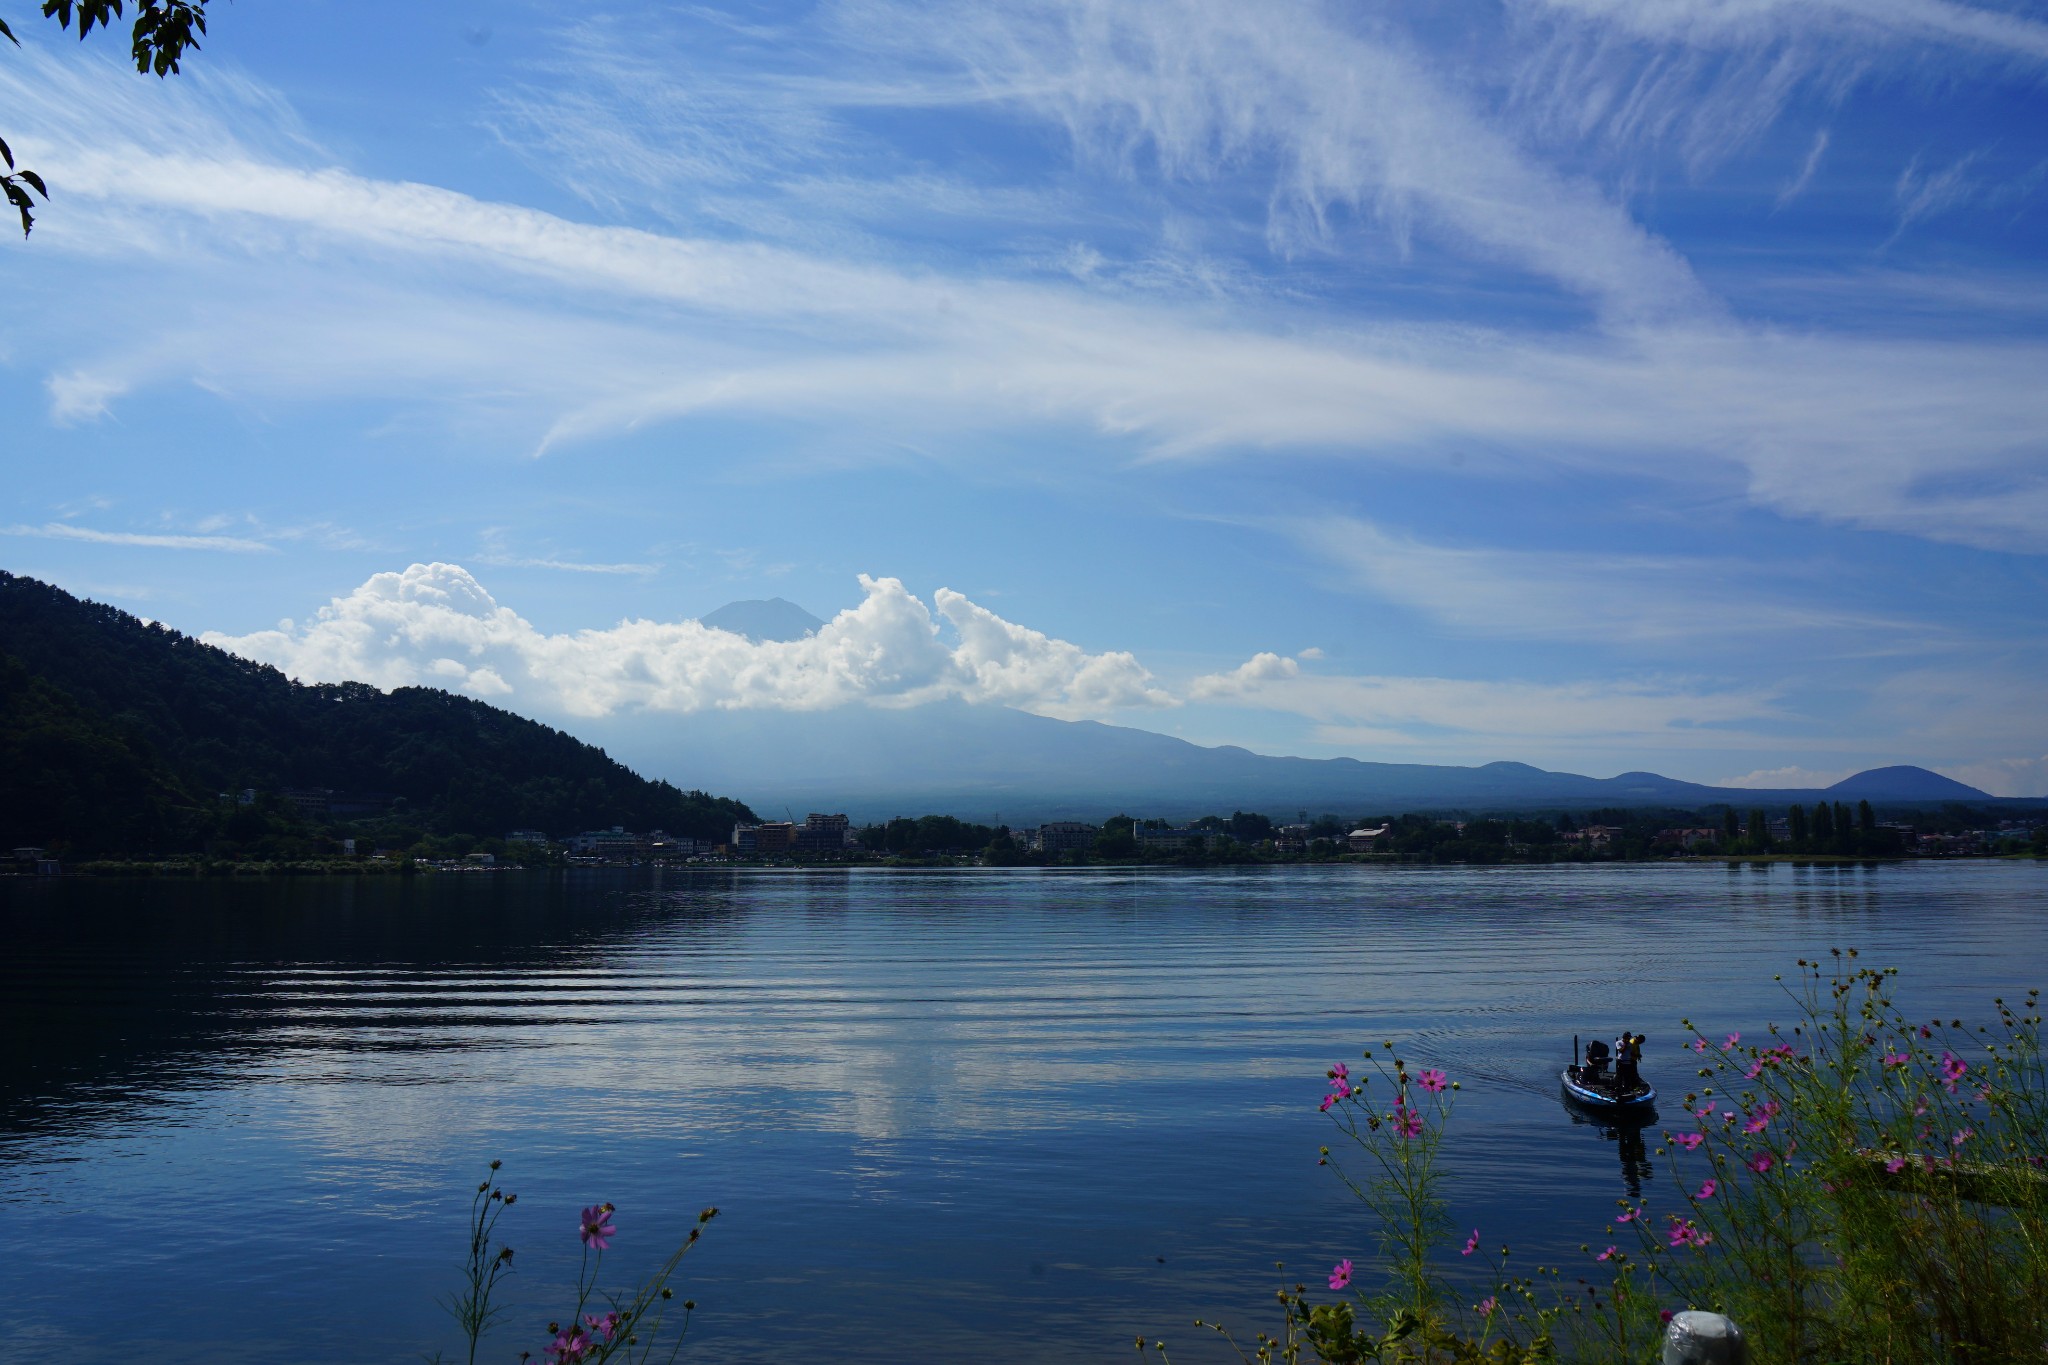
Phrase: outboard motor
pixel 1597 1054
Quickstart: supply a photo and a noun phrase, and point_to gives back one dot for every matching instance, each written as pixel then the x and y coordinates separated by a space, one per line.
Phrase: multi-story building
pixel 770 836
pixel 1064 836
pixel 821 834
pixel 606 843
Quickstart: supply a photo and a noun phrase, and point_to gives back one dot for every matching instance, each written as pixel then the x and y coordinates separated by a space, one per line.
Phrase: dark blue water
pixel 1017 1116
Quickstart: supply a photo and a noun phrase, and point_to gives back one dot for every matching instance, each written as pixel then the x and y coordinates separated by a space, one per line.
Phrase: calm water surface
pixel 948 1115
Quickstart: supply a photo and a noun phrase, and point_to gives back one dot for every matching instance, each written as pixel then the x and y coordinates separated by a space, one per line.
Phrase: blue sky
pixel 1602 384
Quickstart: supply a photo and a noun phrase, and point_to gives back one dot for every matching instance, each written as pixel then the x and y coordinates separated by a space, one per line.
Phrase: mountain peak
pixel 1904 782
pixel 760 620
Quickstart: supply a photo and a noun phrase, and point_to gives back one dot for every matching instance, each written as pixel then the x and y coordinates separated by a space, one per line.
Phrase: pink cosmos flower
pixel 1755 1069
pixel 1895 1165
pixel 1328 1100
pixel 1698 1045
pixel 1487 1305
pixel 597 1226
pixel 1340 1072
pixel 1608 1254
pixel 1407 1122
pixel 1689 1141
pixel 1471 1243
pixel 1705 1113
pixel 1686 1235
pixel 1952 1069
pixel 1733 1039
pixel 1896 1059
pixel 1627 1215
pixel 606 1326
pixel 1963 1136
pixel 1433 1080
pixel 1707 1190
pixel 1761 1162
pixel 569 1347
pixel 1340 1274
pixel 1926 1032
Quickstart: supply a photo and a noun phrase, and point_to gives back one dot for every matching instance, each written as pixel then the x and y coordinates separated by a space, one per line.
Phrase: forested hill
pixel 117 736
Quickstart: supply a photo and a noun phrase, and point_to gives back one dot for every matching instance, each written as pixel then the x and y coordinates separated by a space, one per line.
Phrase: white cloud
pixel 400 291
pixel 567 565
pixel 1568 595
pixel 81 397
pixel 434 624
pixel 1454 713
pixel 1350 117
pixel 64 531
pixel 1745 21
pixel 1793 777
pixel 1242 680
pixel 2018 776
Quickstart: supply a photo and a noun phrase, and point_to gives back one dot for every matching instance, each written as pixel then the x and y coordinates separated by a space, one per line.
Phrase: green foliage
pixel 1873 1185
pixel 76 782
pixel 930 834
pixel 1858 1186
pixel 148 726
pixel 163 32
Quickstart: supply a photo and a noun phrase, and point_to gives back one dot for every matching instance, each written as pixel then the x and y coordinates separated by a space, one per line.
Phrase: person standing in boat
pixel 1628 1058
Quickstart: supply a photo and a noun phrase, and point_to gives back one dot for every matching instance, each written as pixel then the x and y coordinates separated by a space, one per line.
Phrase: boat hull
pixel 1600 1099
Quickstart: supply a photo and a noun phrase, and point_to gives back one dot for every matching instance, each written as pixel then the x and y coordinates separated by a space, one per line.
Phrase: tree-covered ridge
pixel 120 734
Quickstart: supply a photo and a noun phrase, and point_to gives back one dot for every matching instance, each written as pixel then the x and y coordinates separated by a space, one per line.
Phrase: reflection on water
pixel 1626 1132
pixel 1019 1116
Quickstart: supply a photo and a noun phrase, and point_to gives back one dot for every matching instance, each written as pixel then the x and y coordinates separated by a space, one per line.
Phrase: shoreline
pixel 145 869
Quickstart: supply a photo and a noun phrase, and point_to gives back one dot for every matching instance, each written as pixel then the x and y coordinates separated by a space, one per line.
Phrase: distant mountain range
pixel 119 733
pixel 980 762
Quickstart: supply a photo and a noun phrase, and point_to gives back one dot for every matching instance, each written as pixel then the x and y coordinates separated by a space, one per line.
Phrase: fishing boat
pixel 1599 1086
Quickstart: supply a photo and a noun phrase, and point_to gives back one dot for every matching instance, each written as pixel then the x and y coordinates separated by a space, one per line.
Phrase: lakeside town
pixel 312 830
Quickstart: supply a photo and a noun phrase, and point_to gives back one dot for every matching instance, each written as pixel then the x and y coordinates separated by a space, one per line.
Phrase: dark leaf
pixel 8 33
pixel 6 153
pixel 37 181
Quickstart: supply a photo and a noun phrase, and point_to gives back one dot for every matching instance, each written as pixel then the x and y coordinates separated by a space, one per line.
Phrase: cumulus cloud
pixel 1264 666
pixel 436 625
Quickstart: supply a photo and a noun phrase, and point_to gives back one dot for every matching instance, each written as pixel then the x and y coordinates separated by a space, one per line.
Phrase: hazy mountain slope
pixel 758 620
pixel 984 761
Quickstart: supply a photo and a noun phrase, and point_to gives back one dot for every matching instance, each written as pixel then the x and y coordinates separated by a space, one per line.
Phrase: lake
pixel 1001 1115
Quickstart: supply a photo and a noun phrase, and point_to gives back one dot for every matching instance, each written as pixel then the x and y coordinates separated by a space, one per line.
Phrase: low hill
pixel 119 735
